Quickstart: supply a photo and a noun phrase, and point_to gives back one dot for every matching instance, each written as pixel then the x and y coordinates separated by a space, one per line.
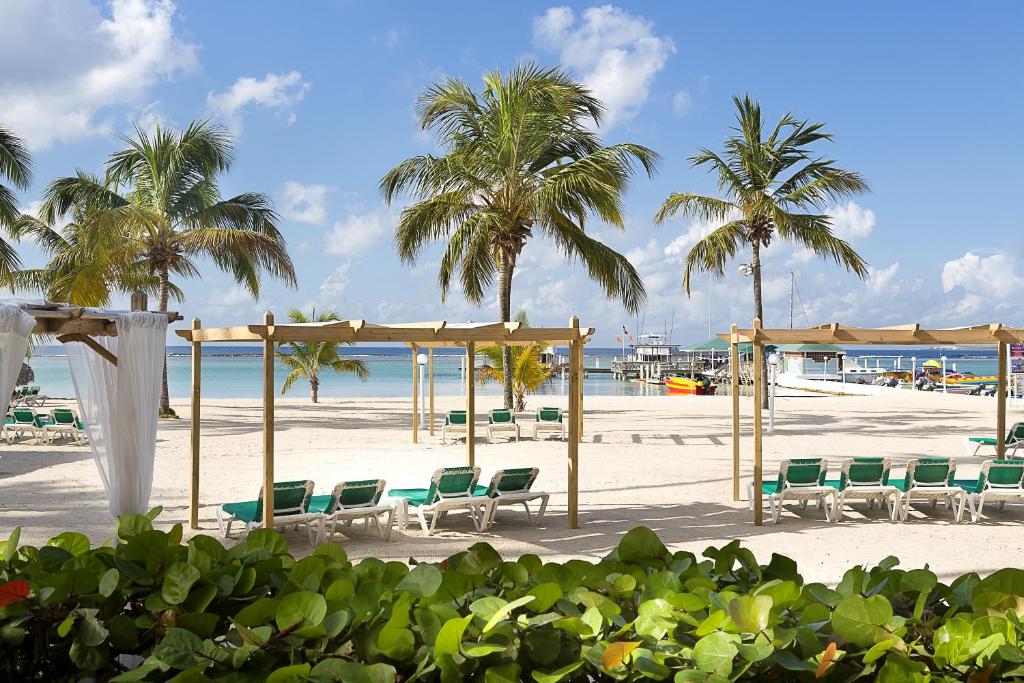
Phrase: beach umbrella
pixel 26 375
pixel 932 364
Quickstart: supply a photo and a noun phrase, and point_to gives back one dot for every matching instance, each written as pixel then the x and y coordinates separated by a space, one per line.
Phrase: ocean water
pixel 236 372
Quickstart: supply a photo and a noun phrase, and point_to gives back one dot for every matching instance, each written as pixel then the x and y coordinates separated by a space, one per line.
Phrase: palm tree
pixel 528 372
pixel 15 168
pixel 307 359
pixel 772 186
pixel 160 205
pixel 519 156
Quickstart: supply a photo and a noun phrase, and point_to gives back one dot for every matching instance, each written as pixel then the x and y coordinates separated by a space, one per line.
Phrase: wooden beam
pixel 574 435
pixel 415 395
pixel 430 361
pixel 1001 349
pixel 734 359
pixel 887 336
pixel 91 343
pixel 756 497
pixel 268 423
pixel 470 404
pixel 194 426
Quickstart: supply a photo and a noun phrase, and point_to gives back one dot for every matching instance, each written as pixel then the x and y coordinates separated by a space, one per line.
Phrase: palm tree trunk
pixel 755 263
pixel 165 398
pixel 314 389
pixel 508 264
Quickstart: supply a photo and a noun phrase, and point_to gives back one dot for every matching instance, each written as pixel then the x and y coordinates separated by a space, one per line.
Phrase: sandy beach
pixel 663 462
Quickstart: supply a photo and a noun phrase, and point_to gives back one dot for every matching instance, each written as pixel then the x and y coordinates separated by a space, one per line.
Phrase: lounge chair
pixel 451 488
pixel 866 478
pixel 549 420
pixel 27 422
pixel 65 423
pixel 7 431
pixel 1014 440
pixel 800 479
pixel 501 420
pixel 454 425
pixel 1000 480
pixel 931 479
pixel 291 508
pixel 512 487
pixel 352 500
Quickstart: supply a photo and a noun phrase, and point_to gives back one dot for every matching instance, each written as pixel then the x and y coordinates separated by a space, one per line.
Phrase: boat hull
pixel 685 385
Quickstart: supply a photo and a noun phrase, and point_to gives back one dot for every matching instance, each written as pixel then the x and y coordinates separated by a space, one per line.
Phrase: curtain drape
pixel 119 404
pixel 15 327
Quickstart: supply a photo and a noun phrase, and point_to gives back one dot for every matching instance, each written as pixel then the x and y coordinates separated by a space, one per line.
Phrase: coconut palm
pixel 773 186
pixel 16 169
pixel 159 203
pixel 307 359
pixel 519 156
pixel 528 372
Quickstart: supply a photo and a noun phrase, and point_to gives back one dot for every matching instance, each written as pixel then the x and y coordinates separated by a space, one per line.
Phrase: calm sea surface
pixel 233 372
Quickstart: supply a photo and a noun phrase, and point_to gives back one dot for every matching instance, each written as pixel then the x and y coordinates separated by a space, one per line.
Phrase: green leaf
pixel 177 648
pixel 90 631
pixel 482 649
pixel 301 609
pixel 557 674
pixel 72 541
pixel 178 582
pixel 341 671
pixel 9 547
pixel 503 673
pixel 450 635
pixel 505 611
pixel 296 673
pixel 640 545
pixel 545 595
pixel 899 669
pixel 423 580
pixel 858 620
pixel 750 613
pixel 715 652
pixel 108 584
pixel 132 525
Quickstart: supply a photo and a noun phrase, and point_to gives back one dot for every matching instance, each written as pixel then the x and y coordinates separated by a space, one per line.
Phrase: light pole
pixel 421 360
pixel 773 364
pixel 913 372
pixel 944 375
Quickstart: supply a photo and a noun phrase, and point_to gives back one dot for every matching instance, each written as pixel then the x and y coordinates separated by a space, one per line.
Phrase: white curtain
pixel 15 327
pixel 119 404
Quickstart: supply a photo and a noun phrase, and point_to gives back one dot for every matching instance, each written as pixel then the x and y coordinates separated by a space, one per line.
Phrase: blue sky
pixel 923 100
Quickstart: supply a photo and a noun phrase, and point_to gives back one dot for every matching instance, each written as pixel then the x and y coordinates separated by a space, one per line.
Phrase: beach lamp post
pixel 773 363
pixel 421 360
pixel 913 372
pixel 944 375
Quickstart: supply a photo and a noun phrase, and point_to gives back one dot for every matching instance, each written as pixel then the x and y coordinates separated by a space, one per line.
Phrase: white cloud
pixel 358 232
pixel 851 222
pixel 616 53
pixel 882 280
pixel 389 38
pixel 682 102
pixel 333 288
pixel 992 277
pixel 279 92
pixel 65 63
pixel 304 203
pixel 696 231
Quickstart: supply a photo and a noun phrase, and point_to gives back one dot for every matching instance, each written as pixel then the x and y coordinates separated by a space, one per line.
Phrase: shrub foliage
pixel 153 609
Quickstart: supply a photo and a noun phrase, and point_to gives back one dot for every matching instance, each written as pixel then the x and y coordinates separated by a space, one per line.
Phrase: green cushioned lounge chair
pixel 865 478
pixel 291 508
pixel 451 488
pixel 27 422
pixel 354 500
pixel 549 420
pixel 1014 440
pixel 501 421
pixel 454 425
pixel 931 479
pixel 512 487
pixel 64 424
pixel 801 480
pixel 1000 480
pixel 7 432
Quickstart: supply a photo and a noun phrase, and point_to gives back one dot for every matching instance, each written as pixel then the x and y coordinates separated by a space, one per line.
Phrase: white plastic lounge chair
pixel 512 487
pixel 549 420
pixel 501 421
pixel 1014 440
pixel 802 480
pixel 931 479
pixel 353 500
pixel 454 425
pixel 451 488
pixel 291 508
pixel 865 478
pixel 1000 480
pixel 65 423
pixel 27 422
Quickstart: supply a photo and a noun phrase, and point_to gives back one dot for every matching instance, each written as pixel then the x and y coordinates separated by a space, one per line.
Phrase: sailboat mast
pixel 792 287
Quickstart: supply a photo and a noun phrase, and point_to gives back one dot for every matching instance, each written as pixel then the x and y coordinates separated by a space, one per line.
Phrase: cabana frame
pixel 418 336
pixel 837 333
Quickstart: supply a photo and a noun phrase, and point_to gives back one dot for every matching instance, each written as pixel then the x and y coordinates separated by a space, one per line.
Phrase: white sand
pixel 663 462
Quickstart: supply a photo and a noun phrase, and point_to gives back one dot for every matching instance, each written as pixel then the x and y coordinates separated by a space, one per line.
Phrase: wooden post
pixel 470 403
pixel 734 359
pixel 575 361
pixel 268 422
pixel 758 394
pixel 415 395
pixel 579 385
pixel 197 367
pixel 430 369
pixel 1001 402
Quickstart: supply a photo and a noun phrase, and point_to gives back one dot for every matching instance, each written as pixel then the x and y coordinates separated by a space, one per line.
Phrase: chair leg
pixel 543 507
pixel 837 512
pixel 428 529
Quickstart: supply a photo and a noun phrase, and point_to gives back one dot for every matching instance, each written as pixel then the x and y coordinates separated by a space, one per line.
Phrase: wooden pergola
pixel 418 335
pixel 836 333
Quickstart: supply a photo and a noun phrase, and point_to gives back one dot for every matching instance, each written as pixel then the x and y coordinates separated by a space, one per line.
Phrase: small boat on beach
pixel 685 385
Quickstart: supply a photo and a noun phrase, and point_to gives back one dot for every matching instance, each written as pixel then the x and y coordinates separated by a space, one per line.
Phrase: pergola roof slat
pixel 910 334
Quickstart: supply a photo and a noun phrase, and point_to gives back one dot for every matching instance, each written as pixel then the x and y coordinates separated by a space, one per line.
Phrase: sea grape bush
pixel 154 609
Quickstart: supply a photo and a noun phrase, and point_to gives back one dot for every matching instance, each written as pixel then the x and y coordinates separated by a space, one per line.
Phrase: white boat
pixel 858 374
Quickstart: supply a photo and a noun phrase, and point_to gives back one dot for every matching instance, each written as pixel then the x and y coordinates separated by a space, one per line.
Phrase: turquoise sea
pixel 235 372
